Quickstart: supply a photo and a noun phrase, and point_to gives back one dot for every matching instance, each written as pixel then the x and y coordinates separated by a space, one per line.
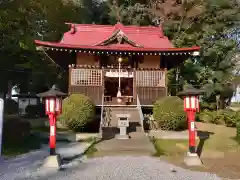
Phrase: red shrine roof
pixel 115 38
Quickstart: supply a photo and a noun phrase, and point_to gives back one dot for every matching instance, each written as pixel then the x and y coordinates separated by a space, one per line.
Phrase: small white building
pixel 236 96
pixel 24 100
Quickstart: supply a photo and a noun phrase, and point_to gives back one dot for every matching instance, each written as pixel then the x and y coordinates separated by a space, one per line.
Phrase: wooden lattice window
pixel 150 78
pixel 88 77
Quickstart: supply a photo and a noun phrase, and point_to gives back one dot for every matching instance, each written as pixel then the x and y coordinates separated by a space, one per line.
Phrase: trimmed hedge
pixel 10 106
pixel 15 131
pixel 78 110
pixel 169 114
pixel 35 110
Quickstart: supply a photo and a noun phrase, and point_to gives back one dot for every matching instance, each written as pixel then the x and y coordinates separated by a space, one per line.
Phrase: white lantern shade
pixel 191 103
pixel 53 105
pixel 58 108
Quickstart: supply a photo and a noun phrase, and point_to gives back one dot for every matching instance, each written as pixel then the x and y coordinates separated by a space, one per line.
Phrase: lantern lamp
pixel 191 98
pixel 53 107
pixel 53 100
pixel 191 106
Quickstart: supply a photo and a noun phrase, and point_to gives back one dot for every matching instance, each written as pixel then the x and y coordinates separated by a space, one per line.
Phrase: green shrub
pixel 169 114
pixel 10 106
pixel 78 110
pixel 211 117
pixel 231 118
pixel 226 117
pixel 35 110
pixel 15 131
pixel 238 130
pixel 32 110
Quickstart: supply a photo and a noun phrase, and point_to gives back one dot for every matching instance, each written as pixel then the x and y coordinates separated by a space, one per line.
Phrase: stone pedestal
pixel 192 159
pixel 123 133
pixel 53 161
pixel 123 123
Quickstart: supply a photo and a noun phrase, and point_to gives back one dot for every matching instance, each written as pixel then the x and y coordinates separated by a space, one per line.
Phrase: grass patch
pixel 159 150
pixel 237 139
pixel 220 142
pixel 90 152
pixel 169 147
pixel 175 147
pixel 90 139
pixel 31 142
pixel 92 149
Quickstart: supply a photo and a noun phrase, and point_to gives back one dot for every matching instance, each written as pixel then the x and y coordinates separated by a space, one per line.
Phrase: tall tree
pixel 23 21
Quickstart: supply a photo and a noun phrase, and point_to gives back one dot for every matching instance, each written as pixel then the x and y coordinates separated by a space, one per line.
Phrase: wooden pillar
pixel 166 81
pixel 103 84
pixel 134 86
pixel 177 79
pixel 70 67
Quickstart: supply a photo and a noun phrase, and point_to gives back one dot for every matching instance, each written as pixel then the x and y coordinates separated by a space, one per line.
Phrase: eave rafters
pixel 99 52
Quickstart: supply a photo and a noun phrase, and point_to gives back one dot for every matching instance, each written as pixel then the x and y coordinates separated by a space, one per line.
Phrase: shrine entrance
pixel 111 85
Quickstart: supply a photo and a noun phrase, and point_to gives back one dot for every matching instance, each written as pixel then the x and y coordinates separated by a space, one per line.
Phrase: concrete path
pixel 138 144
pixel 110 168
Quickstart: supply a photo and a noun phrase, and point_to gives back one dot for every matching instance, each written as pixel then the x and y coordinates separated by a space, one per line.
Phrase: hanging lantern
pixel 120 59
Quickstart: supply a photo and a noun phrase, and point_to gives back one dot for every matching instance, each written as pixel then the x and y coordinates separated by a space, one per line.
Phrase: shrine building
pixel 117 65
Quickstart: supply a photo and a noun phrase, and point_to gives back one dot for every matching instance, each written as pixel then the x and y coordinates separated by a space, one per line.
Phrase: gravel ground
pixel 106 168
pixel 27 165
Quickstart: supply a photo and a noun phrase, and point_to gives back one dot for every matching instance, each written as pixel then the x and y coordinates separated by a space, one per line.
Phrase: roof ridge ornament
pixel 161 30
pixel 119 26
pixel 73 29
pixel 119 35
pixel 55 87
pixel 158 22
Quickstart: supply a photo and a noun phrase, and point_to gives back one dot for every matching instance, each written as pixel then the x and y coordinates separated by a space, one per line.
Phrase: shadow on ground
pixel 109 132
pixel 203 136
pixel 67 160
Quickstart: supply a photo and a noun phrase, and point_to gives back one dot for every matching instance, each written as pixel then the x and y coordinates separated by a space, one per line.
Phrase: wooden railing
pixel 151 84
pixel 150 78
pixel 88 81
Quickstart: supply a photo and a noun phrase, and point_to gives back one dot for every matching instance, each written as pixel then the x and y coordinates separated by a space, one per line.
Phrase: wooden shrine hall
pixel 117 65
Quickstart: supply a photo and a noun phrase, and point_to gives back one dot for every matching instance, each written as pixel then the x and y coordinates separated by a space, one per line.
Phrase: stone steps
pixel 134 130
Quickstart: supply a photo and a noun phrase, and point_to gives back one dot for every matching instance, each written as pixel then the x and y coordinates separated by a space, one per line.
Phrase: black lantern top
pixel 53 92
pixel 189 90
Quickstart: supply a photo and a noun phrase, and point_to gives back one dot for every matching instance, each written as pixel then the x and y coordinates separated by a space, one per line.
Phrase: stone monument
pixel 123 123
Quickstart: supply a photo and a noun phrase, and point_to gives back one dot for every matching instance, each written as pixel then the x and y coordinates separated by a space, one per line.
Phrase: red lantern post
pixel 53 107
pixel 191 106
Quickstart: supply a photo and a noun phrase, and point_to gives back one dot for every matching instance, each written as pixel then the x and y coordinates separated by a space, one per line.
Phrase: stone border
pixel 159 134
pixel 67 136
